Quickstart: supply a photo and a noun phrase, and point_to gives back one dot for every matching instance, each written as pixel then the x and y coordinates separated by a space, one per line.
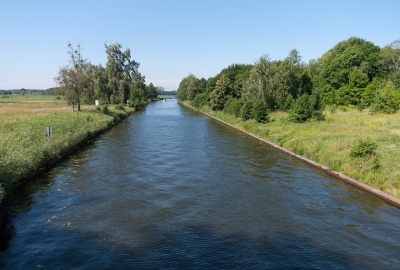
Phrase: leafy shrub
pixel 318 115
pixel 106 110
pixel 342 108
pixel 288 103
pixel 332 108
pixel 247 110
pixel 362 105
pixel 260 112
pixel 306 107
pixel 200 101
pixel 386 100
pixel 120 107
pixel 237 105
pixel 301 109
pixel 363 148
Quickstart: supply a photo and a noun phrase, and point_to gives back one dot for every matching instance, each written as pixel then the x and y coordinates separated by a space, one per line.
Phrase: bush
pixel 120 107
pixel 237 107
pixel 200 101
pixel 363 148
pixel 106 110
pixel 288 103
pixel 301 109
pixel 247 110
pixel 386 100
pixel 362 105
pixel 332 108
pixel 260 112
pixel 306 107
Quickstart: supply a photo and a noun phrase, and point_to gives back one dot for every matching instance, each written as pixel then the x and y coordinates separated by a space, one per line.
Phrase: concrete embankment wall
pixel 354 182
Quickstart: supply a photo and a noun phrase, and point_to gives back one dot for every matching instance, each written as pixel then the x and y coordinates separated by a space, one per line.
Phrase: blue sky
pixel 173 38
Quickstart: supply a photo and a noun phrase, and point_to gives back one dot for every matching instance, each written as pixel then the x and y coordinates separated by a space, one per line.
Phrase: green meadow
pixel 24 145
pixel 332 142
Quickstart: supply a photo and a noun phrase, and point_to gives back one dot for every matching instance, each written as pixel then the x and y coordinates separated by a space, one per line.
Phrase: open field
pixel 330 142
pixel 24 146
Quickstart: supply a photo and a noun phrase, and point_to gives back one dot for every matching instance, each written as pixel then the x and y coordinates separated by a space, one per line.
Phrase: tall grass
pixel 24 146
pixel 331 142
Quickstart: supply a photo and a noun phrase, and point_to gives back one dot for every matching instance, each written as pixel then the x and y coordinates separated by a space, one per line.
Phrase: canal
pixel 170 188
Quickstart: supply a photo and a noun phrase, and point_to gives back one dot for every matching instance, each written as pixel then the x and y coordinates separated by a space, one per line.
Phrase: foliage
pixel 219 95
pixel 105 110
pixel 189 87
pixel 288 103
pixel 246 111
pixel 305 108
pixel 120 107
pixel 387 99
pixel 153 92
pixel 363 148
pixel 137 99
pixel 121 73
pixel 260 112
pixel 328 143
pixel 353 57
pixel 74 79
pixel 233 106
pixel 200 100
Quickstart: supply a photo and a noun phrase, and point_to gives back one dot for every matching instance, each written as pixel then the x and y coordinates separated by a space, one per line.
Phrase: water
pixel 172 189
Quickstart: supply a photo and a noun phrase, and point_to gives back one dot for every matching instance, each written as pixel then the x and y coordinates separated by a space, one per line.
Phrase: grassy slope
pixel 24 146
pixel 330 142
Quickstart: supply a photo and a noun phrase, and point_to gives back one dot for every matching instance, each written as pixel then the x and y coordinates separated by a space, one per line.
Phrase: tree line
pixel 119 82
pixel 354 72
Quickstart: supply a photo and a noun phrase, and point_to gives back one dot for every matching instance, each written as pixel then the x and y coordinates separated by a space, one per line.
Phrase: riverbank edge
pixel 5 202
pixel 351 181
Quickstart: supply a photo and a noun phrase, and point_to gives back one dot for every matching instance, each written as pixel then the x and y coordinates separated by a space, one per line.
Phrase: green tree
pixel 387 100
pixel 389 60
pixel 189 87
pixel 152 91
pixel 122 73
pixel 219 95
pixel 306 107
pixel 338 63
pixel 74 80
pixel 137 99
pixel 247 110
pixel 200 100
pixel 260 111
pixel 99 84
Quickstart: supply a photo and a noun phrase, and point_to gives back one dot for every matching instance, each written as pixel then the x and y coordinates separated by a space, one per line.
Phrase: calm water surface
pixel 172 189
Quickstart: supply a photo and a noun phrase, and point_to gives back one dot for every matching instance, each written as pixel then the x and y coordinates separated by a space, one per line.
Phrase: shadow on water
pixel 177 247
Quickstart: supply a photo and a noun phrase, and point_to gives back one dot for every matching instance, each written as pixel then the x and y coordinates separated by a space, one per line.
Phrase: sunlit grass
pixel 330 142
pixel 24 146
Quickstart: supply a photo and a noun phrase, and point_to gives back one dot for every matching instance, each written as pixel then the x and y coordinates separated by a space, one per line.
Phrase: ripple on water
pixel 170 188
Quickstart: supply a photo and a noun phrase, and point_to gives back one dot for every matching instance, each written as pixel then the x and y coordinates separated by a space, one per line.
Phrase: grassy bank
pixel 24 146
pixel 330 142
